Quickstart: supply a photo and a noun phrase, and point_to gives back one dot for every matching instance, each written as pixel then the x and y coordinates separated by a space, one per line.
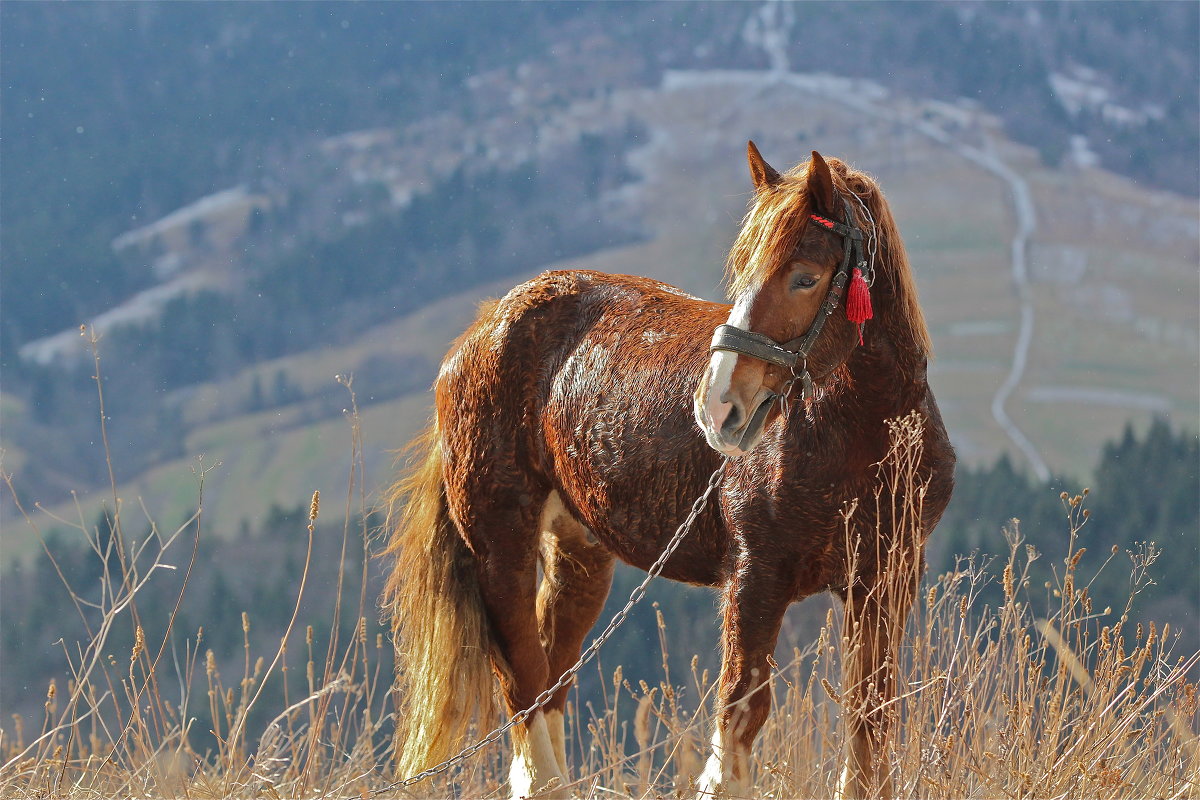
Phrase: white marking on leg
pixel 534 765
pixel 712 414
pixel 558 738
pixel 859 775
pixel 727 770
pixel 555 521
pixel 843 790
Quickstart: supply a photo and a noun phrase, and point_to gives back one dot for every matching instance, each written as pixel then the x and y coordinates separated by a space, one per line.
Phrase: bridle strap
pixel 833 299
pixel 844 230
pixel 764 348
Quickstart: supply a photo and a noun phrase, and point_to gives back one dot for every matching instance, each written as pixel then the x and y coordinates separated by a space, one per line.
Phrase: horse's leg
pixel 754 603
pixel 873 627
pixel 577 574
pixel 507 532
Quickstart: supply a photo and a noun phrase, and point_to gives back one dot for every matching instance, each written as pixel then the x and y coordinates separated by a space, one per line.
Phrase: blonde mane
pixel 775 225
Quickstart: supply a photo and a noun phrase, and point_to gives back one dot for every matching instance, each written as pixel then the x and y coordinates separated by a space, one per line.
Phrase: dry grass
pixel 993 701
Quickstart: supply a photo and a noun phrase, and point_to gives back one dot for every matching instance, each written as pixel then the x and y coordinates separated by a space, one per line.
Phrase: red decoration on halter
pixel 828 223
pixel 858 301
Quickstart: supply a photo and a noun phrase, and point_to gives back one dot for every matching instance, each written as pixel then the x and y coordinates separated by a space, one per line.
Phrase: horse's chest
pixel 794 530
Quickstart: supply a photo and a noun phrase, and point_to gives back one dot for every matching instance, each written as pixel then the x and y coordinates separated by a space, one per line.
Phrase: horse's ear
pixel 820 187
pixel 761 172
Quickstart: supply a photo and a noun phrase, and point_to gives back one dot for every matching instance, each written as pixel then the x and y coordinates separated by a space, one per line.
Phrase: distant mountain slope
pixel 116 114
pixel 1112 277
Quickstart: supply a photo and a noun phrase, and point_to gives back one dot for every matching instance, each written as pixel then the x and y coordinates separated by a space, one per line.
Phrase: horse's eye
pixel 803 281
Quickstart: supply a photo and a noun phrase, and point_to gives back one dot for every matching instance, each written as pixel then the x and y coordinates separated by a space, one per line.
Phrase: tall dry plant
pixel 991 701
pixel 116 731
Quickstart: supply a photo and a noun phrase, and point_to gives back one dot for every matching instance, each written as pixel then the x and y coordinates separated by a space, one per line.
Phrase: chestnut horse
pixel 570 430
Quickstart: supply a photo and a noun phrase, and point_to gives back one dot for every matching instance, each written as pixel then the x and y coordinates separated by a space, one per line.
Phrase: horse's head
pixel 790 270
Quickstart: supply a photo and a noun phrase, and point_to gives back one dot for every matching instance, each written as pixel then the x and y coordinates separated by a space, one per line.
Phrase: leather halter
pixel 795 352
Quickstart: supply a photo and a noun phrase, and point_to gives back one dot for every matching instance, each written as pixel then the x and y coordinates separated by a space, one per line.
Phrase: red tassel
pixel 858 301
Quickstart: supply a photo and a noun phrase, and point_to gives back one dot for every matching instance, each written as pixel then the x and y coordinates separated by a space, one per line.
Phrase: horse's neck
pixel 884 380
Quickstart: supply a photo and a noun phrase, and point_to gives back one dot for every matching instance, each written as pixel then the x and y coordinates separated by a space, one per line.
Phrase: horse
pixel 580 415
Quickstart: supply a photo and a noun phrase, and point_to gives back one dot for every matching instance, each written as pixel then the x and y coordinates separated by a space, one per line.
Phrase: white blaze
pixel 712 415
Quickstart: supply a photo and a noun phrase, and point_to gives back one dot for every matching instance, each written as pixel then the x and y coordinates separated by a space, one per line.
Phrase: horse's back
pixel 564 330
pixel 538 325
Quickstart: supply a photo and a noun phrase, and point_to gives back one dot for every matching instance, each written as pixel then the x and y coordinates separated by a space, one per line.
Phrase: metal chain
pixel 542 699
pixel 872 242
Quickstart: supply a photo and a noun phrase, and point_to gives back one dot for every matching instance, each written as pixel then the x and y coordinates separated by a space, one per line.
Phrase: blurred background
pixel 244 201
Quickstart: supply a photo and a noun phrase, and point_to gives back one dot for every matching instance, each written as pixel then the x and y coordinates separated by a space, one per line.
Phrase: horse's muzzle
pixel 739 432
pixel 752 430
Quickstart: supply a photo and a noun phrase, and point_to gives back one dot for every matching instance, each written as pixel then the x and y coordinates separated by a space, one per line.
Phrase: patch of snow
pixel 357 141
pixel 1168 333
pixel 955 113
pixel 816 82
pixel 1081 153
pixel 1105 301
pixel 838 87
pixel 144 305
pixel 1064 265
pixel 1076 95
pixel 1142 401
pixel 983 327
pixel 200 210
pixel 167 265
pixel 770 29
pixel 1120 115
pixel 1083 91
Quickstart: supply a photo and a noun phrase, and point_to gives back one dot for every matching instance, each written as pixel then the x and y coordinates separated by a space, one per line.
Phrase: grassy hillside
pixel 1116 294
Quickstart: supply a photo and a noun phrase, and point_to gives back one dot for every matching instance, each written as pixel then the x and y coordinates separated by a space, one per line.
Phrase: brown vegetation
pixel 992 702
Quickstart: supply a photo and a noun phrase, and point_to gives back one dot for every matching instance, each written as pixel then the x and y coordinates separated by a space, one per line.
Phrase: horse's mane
pixel 775 224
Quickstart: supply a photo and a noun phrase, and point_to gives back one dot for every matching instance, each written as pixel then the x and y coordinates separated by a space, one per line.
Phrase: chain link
pixel 542 699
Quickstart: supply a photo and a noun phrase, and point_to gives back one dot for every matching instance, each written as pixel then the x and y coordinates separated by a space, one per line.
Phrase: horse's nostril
pixel 733 420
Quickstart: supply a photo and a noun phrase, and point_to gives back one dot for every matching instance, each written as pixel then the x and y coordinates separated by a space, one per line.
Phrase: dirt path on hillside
pixel 1023 206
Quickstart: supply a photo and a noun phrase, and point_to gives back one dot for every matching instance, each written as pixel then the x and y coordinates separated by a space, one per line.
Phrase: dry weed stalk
pixel 114 733
pixel 990 702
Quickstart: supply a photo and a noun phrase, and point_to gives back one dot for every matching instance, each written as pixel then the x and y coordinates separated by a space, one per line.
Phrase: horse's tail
pixel 438 620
